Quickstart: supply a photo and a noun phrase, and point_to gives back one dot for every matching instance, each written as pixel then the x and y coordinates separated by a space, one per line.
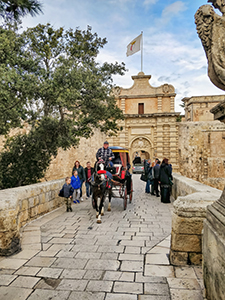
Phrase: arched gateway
pixel 149 126
pixel 141 147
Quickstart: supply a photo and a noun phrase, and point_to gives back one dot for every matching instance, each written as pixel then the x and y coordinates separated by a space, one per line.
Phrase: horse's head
pixel 100 166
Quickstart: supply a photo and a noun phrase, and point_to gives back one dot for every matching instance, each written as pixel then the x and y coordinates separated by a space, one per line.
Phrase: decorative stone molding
pixel 18 206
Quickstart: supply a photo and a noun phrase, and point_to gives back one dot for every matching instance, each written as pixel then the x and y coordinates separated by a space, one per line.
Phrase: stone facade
pixel 197 108
pixel 150 125
pixel 202 152
pixel 18 206
pixel 187 221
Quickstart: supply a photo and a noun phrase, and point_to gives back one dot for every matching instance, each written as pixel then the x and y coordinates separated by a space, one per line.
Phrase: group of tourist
pixel 158 175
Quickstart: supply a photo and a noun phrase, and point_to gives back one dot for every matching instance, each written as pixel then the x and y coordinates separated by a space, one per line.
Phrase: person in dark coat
pixel 148 174
pixel 156 177
pixel 88 173
pixel 165 175
pixel 81 174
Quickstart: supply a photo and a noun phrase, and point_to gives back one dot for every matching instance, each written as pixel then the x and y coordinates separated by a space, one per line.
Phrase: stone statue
pixel 211 30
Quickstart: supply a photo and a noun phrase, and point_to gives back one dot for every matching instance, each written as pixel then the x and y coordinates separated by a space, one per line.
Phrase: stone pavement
pixel 68 256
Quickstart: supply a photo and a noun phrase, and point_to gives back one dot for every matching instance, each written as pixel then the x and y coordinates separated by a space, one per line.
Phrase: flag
pixel 134 46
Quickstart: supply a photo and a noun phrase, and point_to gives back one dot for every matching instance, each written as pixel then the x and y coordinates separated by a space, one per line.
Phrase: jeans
pixel 76 194
pixel 81 183
pixel 88 189
pixel 147 187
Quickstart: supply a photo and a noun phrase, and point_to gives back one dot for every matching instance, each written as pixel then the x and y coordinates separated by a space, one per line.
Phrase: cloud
pixel 147 3
pixel 174 9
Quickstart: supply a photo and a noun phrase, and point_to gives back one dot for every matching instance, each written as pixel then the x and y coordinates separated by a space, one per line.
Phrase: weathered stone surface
pixel 178 258
pixel 182 225
pixel 195 258
pixel 186 243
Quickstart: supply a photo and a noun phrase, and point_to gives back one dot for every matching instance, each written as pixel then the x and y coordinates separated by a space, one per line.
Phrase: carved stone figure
pixel 211 30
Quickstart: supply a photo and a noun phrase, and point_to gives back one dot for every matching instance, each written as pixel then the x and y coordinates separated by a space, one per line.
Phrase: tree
pixel 69 94
pixel 15 9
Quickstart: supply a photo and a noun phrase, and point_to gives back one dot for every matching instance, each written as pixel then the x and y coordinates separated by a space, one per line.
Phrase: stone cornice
pixel 219 112
pixel 146 96
pixel 163 114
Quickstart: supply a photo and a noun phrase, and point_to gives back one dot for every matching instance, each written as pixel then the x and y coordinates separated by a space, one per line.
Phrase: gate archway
pixel 142 147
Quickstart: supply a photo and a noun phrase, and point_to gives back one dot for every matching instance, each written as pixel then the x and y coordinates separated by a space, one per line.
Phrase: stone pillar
pixel 214 237
pixel 159 104
pixel 172 104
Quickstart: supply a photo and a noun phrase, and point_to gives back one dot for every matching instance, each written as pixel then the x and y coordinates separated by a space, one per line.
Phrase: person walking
pixel 88 173
pixel 156 176
pixel 165 177
pixel 148 172
pixel 80 170
pixel 151 178
pixel 67 191
pixel 75 182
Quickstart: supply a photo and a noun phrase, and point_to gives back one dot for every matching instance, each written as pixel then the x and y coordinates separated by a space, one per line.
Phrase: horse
pixel 101 186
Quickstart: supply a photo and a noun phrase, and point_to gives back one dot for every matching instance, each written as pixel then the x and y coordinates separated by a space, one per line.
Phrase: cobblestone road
pixel 68 256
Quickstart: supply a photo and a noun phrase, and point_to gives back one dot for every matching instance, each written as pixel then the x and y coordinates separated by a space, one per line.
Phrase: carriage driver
pixel 105 153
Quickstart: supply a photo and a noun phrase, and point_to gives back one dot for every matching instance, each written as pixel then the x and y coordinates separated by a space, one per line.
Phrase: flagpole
pixel 142 51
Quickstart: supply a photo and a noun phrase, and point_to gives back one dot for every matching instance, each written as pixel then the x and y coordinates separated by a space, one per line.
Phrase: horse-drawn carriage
pixel 113 181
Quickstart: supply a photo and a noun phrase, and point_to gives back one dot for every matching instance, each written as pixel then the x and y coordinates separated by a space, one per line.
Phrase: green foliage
pixel 52 81
pixel 15 9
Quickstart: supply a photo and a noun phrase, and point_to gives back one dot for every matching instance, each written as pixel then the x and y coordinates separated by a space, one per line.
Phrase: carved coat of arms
pixel 211 30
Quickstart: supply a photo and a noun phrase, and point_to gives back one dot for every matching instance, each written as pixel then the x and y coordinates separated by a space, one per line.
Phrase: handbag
pixel 61 193
pixel 143 177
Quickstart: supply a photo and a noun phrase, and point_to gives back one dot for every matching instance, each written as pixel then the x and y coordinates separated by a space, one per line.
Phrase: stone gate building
pixel 150 126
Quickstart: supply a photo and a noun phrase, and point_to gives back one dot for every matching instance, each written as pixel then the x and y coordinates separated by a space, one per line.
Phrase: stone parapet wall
pixel 18 206
pixel 201 152
pixel 192 199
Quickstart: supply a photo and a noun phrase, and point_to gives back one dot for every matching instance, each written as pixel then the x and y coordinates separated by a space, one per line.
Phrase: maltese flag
pixel 134 46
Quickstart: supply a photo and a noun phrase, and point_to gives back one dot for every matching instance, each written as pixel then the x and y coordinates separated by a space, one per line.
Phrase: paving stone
pixel 134 266
pixel 73 274
pixel 154 297
pixel 61 241
pixel 69 263
pixel 187 284
pixel 109 256
pixel 25 282
pixel 117 249
pixel 133 243
pixel 128 287
pixel 158 249
pixel 6 279
pixel 63 253
pixel 6 271
pixel 156 289
pixel 88 255
pixel 49 272
pixel 48 283
pixel 185 295
pixel 119 276
pixel 10 263
pixel 133 250
pixel 153 279
pixel 28 271
pixel 77 248
pixel 157 259
pixel 198 272
pixel 99 286
pixel 86 296
pixel 72 285
pixel 165 271
pixel 185 272
pixel 26 254
pixel 120 297
pixel 102 265
pixel 49 294
pixel 48 253
pixel 132 257
pixel 94 274
pixel 14 293
pixel 41 261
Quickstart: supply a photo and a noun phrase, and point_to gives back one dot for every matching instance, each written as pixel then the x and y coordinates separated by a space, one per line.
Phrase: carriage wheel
pixel 93 202
pixel 131 192
pixel 125 198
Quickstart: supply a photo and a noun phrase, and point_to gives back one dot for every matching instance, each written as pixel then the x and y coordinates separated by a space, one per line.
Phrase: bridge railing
pixel 192 199
pixel 18 206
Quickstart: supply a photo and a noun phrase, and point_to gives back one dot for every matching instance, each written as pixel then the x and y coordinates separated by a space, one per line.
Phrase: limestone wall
pixel 201 147
pixel 192 199
pixel 19 206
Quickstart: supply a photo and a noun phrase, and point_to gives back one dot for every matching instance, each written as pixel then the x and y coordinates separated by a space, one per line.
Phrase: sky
pixel 172 50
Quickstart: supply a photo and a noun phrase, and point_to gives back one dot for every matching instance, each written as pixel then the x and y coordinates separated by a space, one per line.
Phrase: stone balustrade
pixel 18 206
pixel 192 199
